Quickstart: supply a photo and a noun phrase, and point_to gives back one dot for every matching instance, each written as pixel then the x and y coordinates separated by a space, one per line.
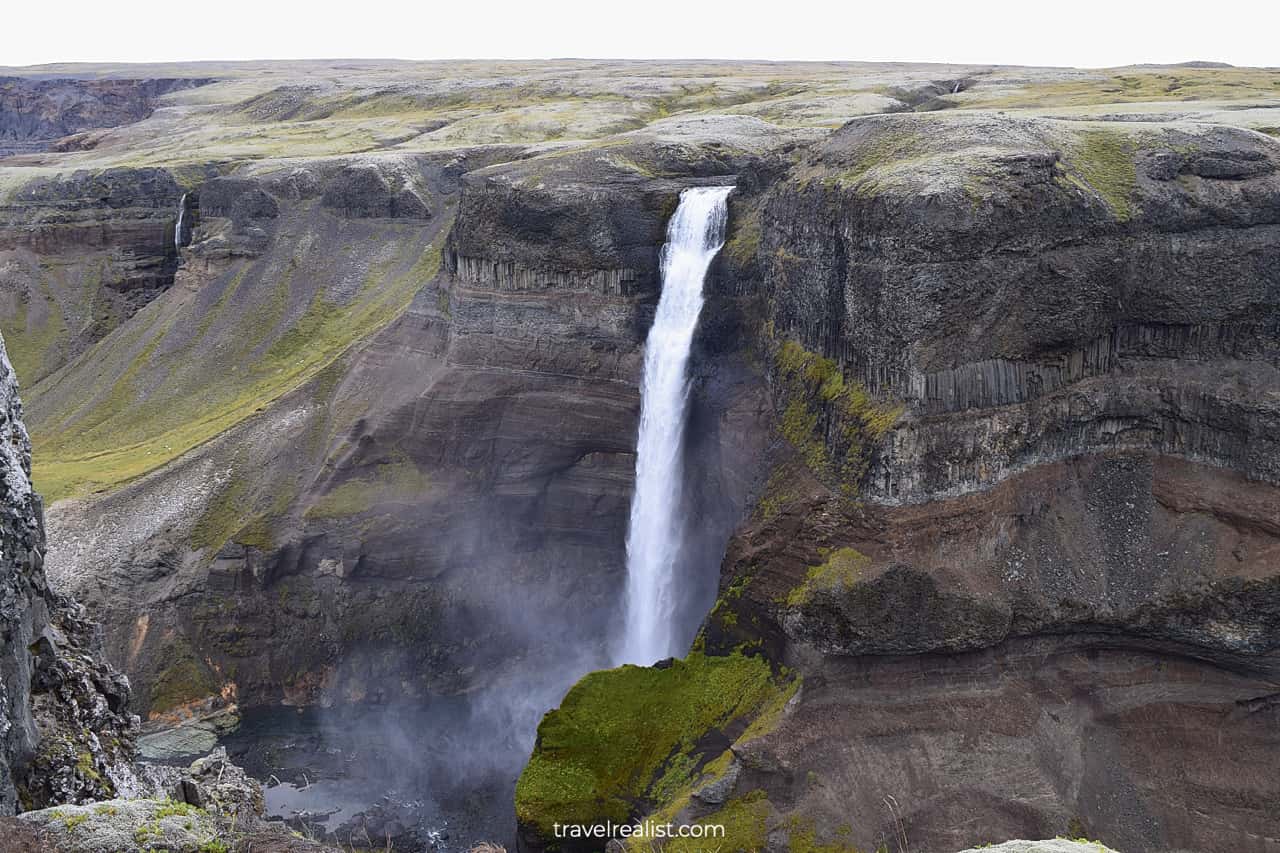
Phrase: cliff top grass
pixel 626 740
pixel 1103 160
pixel 1128 86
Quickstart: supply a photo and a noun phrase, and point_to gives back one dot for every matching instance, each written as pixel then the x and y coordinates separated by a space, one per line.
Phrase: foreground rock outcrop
pixel 209 807
pixel 65 727
pixel 68 735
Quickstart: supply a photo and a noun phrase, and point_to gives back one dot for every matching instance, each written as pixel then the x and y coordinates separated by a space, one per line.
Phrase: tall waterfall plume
pixel 694 236
pixel 177 228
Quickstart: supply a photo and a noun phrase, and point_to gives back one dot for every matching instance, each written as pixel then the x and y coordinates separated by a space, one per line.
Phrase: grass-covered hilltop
pixel 331 375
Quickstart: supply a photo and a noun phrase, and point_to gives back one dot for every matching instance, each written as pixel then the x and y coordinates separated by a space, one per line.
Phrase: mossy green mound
pixel 840 569
pixel 627 740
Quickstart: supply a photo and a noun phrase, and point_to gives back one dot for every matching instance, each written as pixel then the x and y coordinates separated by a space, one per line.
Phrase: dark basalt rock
pixel 238 199
pixel 1052 587
pixel 65 730
pixel 995 287
pixel 362 190
pixel 34 113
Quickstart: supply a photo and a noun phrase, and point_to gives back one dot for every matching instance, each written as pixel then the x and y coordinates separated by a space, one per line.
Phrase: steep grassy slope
pixel 195 362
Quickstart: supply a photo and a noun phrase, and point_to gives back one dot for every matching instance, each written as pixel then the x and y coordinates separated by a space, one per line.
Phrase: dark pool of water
pixel 437 773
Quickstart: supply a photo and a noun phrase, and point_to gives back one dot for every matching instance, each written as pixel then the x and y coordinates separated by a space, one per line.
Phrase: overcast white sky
pixel 1087 33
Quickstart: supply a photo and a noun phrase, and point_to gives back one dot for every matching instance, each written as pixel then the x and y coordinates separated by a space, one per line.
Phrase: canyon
pixel 332 373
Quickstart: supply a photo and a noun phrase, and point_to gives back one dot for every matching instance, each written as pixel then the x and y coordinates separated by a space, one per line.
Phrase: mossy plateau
pixel 877 155
pixel 627 740
pixel 1126 87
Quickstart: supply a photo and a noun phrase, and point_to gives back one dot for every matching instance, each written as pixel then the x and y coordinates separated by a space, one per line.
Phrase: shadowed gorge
pixel 962 477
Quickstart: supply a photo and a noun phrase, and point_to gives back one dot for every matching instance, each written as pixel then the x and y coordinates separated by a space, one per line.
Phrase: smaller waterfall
pixel 694 236
pixel 177 229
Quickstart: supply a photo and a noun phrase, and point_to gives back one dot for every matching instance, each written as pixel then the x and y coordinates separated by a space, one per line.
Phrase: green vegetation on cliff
pixel 394 481
pixel 630 739
pixel 229 368
pixel 832 421
pixel 183 679
pixel 1103 161
pixel 840 569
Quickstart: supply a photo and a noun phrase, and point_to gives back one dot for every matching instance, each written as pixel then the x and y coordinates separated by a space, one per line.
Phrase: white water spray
pixel 177 229
pixel 694 236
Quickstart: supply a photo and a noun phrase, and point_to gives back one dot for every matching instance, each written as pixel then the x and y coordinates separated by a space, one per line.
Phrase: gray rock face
pixel 64 727
pixel 1022 314
pixel 81 253
pixel 1060 554
pixel 364 190
pixel 36 113
pixel 238 199
pixel 23 604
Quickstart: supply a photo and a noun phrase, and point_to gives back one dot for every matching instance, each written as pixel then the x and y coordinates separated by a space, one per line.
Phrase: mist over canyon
pixel 389 422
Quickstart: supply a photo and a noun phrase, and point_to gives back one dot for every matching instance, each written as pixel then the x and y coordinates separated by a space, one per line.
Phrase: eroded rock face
pixel 65 729
pixel 36 114
pixel 1055 631
pixel 365 190
pixel 80 254
pixel 976 275
pixel 1064 553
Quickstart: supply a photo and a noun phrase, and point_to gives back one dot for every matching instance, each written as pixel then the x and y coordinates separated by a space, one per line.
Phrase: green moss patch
pixel 831 420
pixel 840 569
pixel 626 740
pixel 745 820
pixel 1104 162
pixel 183 679
pixel 744 239
pixel 389 482
pixel 876 155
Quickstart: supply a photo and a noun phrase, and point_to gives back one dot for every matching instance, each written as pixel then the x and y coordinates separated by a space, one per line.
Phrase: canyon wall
pixel 1013 567
pixel 991 402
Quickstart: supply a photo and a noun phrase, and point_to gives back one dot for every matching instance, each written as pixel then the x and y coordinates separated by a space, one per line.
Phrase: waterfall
pixel 694 236
pixel 177 229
